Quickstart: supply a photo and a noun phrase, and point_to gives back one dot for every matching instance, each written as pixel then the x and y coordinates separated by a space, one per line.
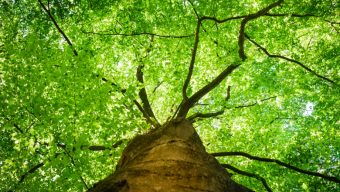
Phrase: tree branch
pixel 144 97
pixel 63 146
pixel 194 50
pixel 236 153
pixel 280 118
pixel 228 94
pixel 58 28
pixel 139 106
pixel 186 105
pixel 74 165
pixel 246 20
pixel 332 23
pixel 193 7
pixel 99 147
pixel 157 86
pixel 16 126
pixel 236 170
pixel 142 92
pixel 223 20
pixel 138 34
pixel 288 59
pixel 91 147
pixel 192 62
pixel 205 115
pixel 289 15
pixel 300 16
pixel 145 114
pixel 32 170
pixel 35 168
pixel 214 114
pixel 253 104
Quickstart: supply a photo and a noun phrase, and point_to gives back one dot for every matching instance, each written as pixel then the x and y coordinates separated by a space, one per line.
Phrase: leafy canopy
pixel 68 95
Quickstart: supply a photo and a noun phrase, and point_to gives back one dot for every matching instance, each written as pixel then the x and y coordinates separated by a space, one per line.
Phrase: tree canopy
pixel 78 80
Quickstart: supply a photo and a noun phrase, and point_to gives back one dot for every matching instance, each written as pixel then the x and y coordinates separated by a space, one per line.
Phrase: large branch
pixel 288 59
pixel 139 106
pixel 142 92
pixel 246 20
pixel 236 153
pixel 186 105
pixel 192 61
pixel 58 28
pixel 144 97
pixel 194 50
pixel 236 170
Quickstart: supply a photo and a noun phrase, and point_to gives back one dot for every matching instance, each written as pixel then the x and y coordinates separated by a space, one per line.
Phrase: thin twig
pixel 205 115
pixel 228 94
pixel 138 34
pixel 16 126
pixel 300 16
pixel 90 147
pixel 253 104
pixel 58 28
pixel 280 118
pixel 193 7
pixel 74 165
pixel 157 86
pixel 214 114
pixel 288 59
pixel 35 168
pixel 289 15
pixel 264 183
pixel 236 153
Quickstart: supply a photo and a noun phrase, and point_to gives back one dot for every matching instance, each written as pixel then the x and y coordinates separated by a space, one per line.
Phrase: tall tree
pixel 179 95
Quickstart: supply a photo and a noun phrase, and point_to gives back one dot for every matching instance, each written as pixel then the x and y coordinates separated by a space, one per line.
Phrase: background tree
pixel 258 79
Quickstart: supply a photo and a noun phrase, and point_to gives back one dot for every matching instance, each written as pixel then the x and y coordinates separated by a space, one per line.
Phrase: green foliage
pixel 52 103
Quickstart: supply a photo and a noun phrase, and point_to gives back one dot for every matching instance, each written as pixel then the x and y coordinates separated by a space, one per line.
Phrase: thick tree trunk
pixel 169 159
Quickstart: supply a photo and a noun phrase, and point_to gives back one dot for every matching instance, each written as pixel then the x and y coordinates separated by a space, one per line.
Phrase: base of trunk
pixel 169 159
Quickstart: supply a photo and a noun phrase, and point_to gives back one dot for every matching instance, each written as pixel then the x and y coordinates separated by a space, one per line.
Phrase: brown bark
pixel 171 158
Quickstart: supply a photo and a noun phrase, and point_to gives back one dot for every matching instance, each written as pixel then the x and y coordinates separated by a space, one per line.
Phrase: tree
pixel 222 95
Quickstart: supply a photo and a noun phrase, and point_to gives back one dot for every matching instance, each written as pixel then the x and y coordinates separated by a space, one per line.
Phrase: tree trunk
pixel 171 158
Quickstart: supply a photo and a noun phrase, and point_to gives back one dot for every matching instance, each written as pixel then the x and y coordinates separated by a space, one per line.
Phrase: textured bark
pixel 171 158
